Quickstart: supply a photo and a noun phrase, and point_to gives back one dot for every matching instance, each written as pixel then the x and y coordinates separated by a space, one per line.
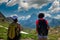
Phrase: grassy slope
pixel 54 33
pixel 3 31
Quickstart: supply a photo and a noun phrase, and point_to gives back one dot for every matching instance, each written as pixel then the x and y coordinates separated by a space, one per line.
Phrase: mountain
pixel 31 21
pixel 2 17
pixel 52 8
pixel 9 19
pixel 53 22
pixel 5 19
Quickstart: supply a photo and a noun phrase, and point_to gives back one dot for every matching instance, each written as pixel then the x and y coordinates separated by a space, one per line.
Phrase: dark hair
pixel 41 15
pixel 15 20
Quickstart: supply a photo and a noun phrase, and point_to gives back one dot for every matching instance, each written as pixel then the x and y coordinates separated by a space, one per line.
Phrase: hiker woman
pixel 14 30
pixel 42 27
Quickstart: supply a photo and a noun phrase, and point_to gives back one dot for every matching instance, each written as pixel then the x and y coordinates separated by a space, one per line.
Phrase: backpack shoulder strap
pixel 42 22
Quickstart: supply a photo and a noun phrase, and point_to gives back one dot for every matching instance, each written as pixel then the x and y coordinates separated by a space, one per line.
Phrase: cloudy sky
pixel 25 8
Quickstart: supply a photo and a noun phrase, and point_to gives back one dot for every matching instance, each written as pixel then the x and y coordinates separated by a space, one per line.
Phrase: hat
pixel 14 17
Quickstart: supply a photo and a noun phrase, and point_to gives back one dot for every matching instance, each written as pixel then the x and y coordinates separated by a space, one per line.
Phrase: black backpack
pixel 42 28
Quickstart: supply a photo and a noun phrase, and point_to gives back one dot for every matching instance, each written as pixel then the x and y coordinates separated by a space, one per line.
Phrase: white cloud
pixel 27 17
pixel 55 6
pixel 26 4
pixel 24 17
pixel 43 5
pixel 47 15
pixel 34 5
pixel 55 10
pixel 21 17
pixel 2 1
pixel 57 17
pixel 12 2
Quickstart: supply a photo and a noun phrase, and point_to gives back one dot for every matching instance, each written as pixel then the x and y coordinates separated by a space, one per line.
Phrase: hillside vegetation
pixel 54 33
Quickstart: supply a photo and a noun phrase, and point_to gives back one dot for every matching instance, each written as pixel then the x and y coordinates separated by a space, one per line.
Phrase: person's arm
pixel 19 26
pixel 47 25
pixel 36 29
pixel 37 26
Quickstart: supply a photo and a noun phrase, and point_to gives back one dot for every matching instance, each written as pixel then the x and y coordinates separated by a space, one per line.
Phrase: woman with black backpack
pixel 42 27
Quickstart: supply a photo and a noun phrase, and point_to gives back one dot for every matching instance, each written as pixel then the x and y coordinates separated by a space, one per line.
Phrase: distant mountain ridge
pixel 31 21
pixel 10 20
pixel 2 17
pixel 5 19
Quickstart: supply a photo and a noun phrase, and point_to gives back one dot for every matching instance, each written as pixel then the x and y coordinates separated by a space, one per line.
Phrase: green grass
pixel 32 33
pixel 5 24
pixel 3 31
